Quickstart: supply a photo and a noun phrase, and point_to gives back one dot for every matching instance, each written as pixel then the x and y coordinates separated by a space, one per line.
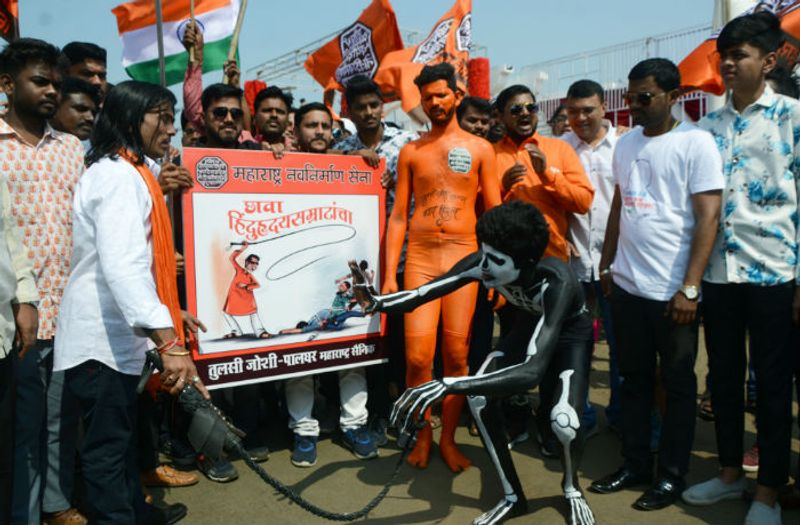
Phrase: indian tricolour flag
pixel 137 27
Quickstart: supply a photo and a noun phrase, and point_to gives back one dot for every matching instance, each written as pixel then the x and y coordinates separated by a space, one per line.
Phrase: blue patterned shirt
pixel 757 239
pixel 389 148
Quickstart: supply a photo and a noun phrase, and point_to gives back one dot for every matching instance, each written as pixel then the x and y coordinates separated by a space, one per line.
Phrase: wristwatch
pixel 690 292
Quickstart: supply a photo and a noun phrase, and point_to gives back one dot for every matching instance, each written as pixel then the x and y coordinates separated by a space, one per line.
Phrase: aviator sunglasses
pixel 516 109
pixel 222 112
pixel 643 98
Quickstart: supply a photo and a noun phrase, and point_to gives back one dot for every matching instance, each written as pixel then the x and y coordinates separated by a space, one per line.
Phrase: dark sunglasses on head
pixel 222 112
pixel 643 98
pixel 516 109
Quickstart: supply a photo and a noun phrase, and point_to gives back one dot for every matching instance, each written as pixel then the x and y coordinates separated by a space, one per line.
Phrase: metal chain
pixel 310 507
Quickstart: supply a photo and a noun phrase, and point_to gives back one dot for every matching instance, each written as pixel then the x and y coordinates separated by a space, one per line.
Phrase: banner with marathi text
pixel 267 243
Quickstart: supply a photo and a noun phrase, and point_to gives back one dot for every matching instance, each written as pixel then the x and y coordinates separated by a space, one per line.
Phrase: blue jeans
pixel 593 289
pixel 31 375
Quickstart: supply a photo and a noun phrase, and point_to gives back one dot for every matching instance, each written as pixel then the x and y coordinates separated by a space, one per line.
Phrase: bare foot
pixel 455 460
pixel 420 456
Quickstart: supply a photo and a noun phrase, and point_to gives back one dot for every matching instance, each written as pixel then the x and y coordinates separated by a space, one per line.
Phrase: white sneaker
pixel 714 490
pixel 761 514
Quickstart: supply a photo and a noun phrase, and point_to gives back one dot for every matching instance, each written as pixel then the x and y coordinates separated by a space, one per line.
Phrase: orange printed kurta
pixel 241 300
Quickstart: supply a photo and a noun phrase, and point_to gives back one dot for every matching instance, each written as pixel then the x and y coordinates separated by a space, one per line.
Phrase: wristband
pixel 605 271
pixel 168 345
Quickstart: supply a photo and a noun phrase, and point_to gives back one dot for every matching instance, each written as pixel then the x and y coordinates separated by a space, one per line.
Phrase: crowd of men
pixel 666 224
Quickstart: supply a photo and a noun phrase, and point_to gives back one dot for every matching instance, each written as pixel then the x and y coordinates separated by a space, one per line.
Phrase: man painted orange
pixel 444 170
pixel 241 301
pixel 543 171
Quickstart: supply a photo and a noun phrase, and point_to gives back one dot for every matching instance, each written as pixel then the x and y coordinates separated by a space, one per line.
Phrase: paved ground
pixel 341 483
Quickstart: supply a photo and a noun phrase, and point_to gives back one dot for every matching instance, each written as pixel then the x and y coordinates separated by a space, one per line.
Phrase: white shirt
pixel 757 242
pixel 587 231
pixel 111 294
pixel 657 177
pixel 17 278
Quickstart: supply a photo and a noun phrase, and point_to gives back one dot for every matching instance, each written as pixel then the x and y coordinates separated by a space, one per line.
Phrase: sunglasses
pixel 643 98
pixel 516 109
pixel 222 112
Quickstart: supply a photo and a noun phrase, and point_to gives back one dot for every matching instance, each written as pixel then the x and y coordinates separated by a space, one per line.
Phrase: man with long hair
pixel 122 298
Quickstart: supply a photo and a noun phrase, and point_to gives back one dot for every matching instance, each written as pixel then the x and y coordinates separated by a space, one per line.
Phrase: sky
pixel 515 32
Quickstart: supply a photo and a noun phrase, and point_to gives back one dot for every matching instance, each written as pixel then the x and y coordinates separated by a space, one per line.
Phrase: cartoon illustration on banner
pixel 267 245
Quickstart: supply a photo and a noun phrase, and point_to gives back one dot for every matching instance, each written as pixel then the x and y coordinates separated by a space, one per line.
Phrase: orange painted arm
pixel 489 180
pixel 398 222
pixel 568 184
pixel 234 255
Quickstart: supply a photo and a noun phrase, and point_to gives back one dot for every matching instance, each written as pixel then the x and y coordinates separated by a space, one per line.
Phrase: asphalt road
pixel 339 482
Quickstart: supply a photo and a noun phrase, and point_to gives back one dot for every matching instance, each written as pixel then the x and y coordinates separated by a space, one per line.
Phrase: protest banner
pixel 266 245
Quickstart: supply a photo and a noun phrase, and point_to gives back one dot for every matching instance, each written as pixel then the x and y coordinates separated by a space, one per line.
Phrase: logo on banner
pixel 464 33
pixel 211 172
pixel 433 46
pixel 358 53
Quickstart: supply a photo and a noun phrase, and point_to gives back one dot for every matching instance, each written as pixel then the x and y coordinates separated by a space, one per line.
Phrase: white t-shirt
pixel 657 177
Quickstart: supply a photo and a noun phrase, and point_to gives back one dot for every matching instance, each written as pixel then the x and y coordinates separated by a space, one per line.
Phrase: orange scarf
pixel 163 246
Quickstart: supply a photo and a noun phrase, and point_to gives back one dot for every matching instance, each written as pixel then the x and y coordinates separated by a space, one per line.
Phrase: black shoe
pixel 619 480
pixel 664 493
pixel 164 515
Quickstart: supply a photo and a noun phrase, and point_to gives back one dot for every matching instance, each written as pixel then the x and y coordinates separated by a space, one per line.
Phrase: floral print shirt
pixel 757 240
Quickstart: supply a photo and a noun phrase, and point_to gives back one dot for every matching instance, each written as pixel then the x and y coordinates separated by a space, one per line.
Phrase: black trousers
pixel 644 334
pixel 6 437
pixel 730 312
pixel 108 409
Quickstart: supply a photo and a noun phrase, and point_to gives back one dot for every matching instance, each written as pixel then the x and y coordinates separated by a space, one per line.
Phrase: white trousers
pixel 352 395
pixel 235 328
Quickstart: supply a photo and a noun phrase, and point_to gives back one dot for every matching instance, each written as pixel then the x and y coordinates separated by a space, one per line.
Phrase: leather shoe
pixel 619 480
pixel 65 517
pixel 663 493
pixel 164 515
pixel 166 476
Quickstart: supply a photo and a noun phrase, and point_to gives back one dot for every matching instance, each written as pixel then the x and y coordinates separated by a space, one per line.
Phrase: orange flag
pixel 448 42
pixel 9 19
pixel 358 49
pixel 700 69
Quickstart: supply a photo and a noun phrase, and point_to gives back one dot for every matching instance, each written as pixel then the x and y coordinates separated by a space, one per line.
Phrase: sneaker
pixel 378 428
pixel 750 460
pixel 714 490
pixel 221 471
pixel 179 452
pixel 305 451
pixel 762 514
pixel 359 440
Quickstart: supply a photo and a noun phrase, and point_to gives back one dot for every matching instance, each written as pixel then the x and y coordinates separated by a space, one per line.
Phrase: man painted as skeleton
pixel 549 347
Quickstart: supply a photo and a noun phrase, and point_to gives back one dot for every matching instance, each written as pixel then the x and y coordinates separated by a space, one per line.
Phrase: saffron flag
pixel 357 50
pixel 700 69
pixel 9 19
pixel 137 27
pixel 449 41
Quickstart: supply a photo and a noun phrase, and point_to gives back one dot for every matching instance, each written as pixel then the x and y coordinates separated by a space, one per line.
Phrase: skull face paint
pixel 497 268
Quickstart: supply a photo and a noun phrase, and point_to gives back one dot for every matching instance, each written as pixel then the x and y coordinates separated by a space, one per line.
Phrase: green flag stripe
pixel 214 56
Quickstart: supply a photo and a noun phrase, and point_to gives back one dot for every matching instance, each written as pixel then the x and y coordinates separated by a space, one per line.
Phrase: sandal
pixel 265 335
pixel 705 410
pixel 230 335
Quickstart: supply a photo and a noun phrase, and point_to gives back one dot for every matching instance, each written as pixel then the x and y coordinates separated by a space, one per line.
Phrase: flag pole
pixel 162 72
pixel 194 24
pixel 236 30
